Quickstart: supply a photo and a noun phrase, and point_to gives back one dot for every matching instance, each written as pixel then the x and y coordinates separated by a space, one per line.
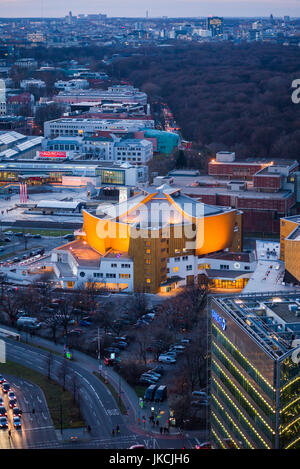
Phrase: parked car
pixel 3 410
pixel 148 375
pixel 2 379
pixel 75 332
pixel 84 323
pixel 69 237
pixel 147 380
pixel 166 359
pixel 199 394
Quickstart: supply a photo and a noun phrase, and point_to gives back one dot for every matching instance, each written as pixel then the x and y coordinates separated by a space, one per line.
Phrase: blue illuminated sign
pixel 218 319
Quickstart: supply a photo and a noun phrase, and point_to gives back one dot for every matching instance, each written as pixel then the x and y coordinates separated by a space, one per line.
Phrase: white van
pixel 28 323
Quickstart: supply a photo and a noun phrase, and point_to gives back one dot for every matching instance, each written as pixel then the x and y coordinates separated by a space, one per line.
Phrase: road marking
pixel 36 429
pixel 113 412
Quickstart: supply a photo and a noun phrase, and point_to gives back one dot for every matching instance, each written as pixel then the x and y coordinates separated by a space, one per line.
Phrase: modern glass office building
pixel 255 372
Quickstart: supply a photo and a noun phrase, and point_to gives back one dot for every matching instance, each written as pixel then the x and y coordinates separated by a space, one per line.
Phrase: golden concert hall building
pixel 152 242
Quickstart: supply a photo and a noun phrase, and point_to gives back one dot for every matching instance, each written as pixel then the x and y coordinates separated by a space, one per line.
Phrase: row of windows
pixel 238 416
pixel 242 401
pixel 242 380
pixel 101 275
pixel 245 364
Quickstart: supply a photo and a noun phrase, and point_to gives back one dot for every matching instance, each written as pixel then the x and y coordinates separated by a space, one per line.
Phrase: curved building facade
pixel 155 226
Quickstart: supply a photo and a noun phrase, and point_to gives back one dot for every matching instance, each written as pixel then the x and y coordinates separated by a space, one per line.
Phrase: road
pixel 97 404
pixel 37 427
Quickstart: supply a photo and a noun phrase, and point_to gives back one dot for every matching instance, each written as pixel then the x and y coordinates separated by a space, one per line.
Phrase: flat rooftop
pixel 266 318
pixel 82 253
pixel 88 257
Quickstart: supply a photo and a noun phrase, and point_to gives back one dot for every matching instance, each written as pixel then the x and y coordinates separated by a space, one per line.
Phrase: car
pixel 12 403
pixel 5 387
pixel 109 361
pixel 17 412
pixel 124 338
pixel 201 394
pixel 3 410
pixel 7 240
pixel 75 332
pixel 3 422
pixel 16 259
pixel 146 380
pixel 17 422
pixel 112 350
pixel 84 323
pixel 1 401
pixel 36 236
pixel 185 341
pixel 28 235
pixel 2 379
pixel 205 445
pixel 70 237
pixel 9 233
pixel 177 348
pixel 148 375
pixel 171 354
pixel 165 359
pixel 120 345
pixel 199 403
pixel 151 372
pixel 11 395
pixel 20 233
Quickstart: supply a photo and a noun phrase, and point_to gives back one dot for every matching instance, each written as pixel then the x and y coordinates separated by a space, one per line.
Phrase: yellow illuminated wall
pixel 290 248
pixel 103 234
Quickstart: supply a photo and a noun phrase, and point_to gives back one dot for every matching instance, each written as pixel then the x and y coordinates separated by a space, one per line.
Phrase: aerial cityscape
pixel 149 228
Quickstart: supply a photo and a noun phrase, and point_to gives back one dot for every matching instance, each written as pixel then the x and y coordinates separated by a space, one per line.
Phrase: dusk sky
pixel 171 8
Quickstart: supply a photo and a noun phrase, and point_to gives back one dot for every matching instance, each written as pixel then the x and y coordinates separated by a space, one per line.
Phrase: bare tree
pixel 138 304
pixel 74 386
pixel 10 304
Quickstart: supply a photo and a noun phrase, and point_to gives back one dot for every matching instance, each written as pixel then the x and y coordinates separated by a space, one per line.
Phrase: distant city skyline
pixel 155 8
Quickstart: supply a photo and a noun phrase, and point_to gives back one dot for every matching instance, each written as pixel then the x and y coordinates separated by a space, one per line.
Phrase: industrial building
pixel 117 93
pixel 265 191
pixel 73 127
pixel 153 242
pixel 72 173
pixel 255 372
